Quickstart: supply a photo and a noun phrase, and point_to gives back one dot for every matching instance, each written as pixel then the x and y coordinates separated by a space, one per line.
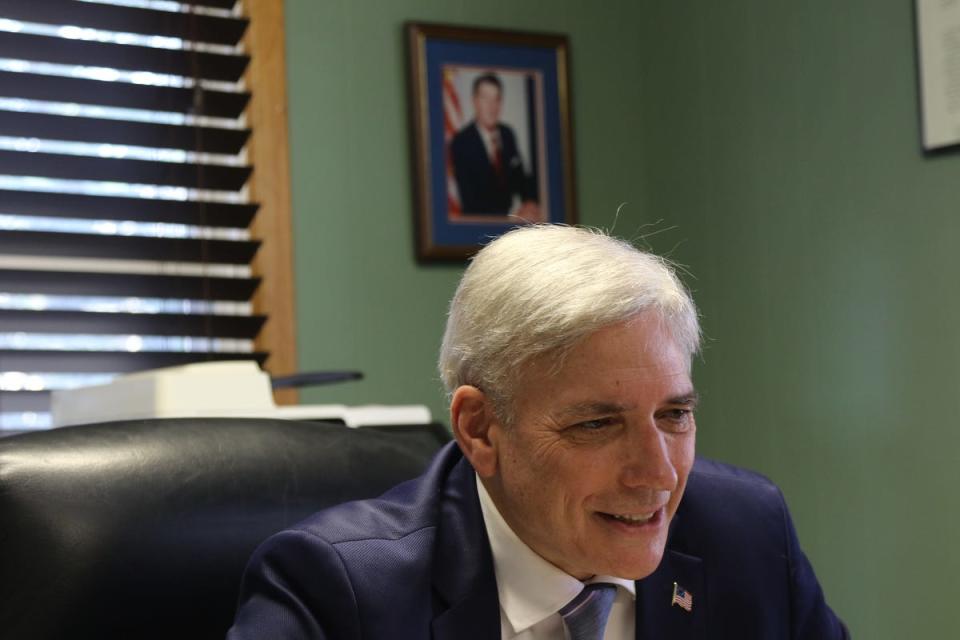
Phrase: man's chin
pixel 634 565
pixel 640 574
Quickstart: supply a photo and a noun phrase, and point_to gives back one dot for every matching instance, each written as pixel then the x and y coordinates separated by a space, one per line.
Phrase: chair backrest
pixel 141 529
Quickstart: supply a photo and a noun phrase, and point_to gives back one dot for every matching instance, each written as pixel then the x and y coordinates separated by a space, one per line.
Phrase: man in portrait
pixel 571 504
pixel 487 165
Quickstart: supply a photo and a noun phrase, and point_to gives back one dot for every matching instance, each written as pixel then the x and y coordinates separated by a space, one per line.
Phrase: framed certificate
pixel 938 54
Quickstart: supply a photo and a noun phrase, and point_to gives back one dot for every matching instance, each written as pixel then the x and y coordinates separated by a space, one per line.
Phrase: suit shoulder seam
pixel 753 478
pixel 368 538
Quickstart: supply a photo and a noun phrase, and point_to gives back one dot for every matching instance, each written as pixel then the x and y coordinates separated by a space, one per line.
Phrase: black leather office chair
pixel 141 529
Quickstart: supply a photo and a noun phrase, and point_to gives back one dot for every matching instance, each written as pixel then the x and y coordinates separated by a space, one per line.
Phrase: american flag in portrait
pixel 452 122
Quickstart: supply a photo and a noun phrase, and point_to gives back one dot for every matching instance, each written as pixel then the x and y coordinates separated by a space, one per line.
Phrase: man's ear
pixel 472 419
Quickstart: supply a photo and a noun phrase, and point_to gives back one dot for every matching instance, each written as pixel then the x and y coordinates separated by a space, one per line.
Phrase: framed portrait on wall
pixel 493 144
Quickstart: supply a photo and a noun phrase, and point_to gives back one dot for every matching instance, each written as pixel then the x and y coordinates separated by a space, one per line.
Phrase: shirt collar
pixel 491 138
pixel 530 588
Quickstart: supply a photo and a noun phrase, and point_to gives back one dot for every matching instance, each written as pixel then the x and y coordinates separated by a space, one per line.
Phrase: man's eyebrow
pixel 690 399
pixel 591 408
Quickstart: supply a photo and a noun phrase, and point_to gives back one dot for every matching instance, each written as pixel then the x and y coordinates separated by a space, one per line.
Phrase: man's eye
pixel 677 418
pixel 595 425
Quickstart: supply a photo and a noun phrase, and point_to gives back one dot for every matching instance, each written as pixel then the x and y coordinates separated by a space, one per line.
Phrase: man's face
pixel 486 105
pixel 593 467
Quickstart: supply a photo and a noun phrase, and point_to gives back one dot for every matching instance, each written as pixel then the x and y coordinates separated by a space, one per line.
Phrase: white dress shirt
pixel 491 142
pixel 532 590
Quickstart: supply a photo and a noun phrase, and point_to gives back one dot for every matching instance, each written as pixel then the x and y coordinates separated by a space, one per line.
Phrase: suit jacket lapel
pixel 465 588
pixel 657 617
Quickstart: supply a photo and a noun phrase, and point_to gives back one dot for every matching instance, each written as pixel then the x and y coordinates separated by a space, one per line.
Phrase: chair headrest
pixel 142 528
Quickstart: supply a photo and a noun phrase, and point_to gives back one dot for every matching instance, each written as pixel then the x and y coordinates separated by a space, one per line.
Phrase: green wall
pixel 782 138
pixel 779 143
pixel 362 300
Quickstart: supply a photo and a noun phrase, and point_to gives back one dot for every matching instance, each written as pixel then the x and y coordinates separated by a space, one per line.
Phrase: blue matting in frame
pixel 441 52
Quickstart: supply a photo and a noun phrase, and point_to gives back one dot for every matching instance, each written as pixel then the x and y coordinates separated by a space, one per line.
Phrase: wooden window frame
pixel 270 186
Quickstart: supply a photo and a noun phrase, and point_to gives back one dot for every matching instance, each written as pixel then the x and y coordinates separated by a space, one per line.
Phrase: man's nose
pixel 647 461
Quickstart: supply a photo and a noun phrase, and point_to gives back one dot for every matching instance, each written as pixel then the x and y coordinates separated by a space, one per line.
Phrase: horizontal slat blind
pixel 123 285
pixel 53 165
pixel 207 102
pixel 162 324
pixel 124 212
pixel 57 50
pixel 218 29
pixel 72 205
pixel 112 362
pixel 118 246
pixel 141 134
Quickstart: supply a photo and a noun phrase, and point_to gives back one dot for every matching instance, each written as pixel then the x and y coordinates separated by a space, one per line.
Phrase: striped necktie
pixel 586 615
pixel 497 160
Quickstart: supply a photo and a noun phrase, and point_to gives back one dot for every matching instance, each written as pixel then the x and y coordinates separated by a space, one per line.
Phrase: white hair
pixel 538 290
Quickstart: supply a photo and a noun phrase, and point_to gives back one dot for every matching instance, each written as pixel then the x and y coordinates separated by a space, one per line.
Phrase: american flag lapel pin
pixel 682 597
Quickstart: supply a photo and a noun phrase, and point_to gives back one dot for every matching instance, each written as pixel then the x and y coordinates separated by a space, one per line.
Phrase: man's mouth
pixel 635 519
pixel 632 519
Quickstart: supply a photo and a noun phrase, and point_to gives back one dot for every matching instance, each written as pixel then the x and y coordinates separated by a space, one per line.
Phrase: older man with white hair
pixel 571 504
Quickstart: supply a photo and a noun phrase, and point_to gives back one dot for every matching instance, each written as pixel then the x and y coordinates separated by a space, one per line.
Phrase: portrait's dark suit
pixel 415 564
pixel 484 190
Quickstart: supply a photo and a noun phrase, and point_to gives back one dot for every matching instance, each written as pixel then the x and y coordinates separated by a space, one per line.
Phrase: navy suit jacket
pixel 416 564
pixel 482 190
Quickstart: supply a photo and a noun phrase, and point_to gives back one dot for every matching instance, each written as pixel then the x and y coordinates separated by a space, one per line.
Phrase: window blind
pixel 124 200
